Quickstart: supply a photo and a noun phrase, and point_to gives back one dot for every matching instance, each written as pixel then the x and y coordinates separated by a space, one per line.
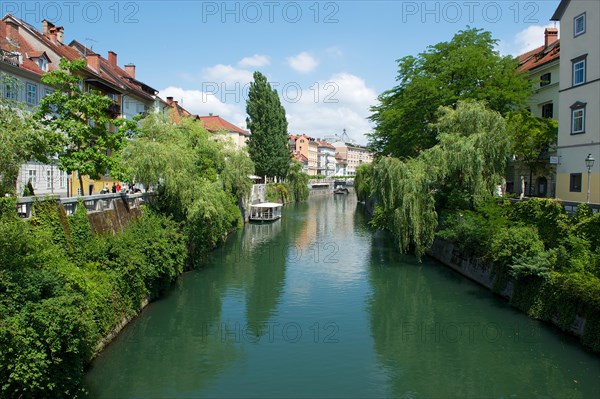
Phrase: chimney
pixel 93 61
pixel 13 29
pixel 170 101
pixel 112 58
pixel 52 33
pixel 130 69
pixel 46 26
pixel 550 36
pixel 60 34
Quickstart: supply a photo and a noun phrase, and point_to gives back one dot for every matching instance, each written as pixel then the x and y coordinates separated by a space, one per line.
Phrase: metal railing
pixel 9 57
pixel 92 203
pixel 570 206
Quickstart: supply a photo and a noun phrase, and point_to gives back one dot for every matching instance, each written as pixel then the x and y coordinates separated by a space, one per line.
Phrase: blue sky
pixel 328 59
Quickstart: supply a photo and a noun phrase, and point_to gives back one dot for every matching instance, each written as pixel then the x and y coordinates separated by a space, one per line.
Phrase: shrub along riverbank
pixel 553 260
pixel 64 290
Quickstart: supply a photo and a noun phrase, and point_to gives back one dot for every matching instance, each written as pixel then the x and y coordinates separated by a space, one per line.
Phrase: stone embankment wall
pixel 113 220
pixel 482 272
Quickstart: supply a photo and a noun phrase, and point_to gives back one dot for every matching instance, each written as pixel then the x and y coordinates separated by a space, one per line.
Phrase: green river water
pixel 317 305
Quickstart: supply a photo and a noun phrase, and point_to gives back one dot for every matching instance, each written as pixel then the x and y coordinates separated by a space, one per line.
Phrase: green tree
pixel 268 143
pixel 89 145
pixel 21 139
pixel 467 67
pixel 469 159
pixel 532 139
pixel 297 181
pixel 236 173
pixel 197 179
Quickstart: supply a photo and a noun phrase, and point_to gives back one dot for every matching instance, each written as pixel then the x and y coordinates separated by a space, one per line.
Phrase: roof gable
pixel 214 123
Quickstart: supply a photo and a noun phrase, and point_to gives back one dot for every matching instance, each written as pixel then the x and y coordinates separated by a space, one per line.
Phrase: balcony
pixel 114 108
pixel 9 57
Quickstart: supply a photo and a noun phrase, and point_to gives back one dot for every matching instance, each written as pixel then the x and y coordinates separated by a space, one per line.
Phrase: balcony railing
pixel 9 57
pixel 114 108
pixel 93 203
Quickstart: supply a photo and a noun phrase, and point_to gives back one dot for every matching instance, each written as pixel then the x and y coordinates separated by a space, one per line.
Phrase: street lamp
pixel 589 163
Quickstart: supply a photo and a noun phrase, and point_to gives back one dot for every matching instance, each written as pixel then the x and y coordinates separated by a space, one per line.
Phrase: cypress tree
pixel 268 143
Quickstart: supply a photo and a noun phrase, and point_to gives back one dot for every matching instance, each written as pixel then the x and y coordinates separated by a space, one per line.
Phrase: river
pixel 317 305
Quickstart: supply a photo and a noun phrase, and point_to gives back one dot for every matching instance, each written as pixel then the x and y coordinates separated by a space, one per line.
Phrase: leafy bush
pixel 470 231
pixel 56 304
pixel 538 265
pixel 547 215
pixel 508 242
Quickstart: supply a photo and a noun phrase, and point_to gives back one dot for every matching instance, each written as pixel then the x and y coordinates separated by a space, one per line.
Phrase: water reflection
pixel 364 321
pixel 438 334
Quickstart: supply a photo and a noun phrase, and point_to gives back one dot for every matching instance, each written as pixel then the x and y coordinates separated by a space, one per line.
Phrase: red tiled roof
pixel 539 56
pixel 299 156
pixel 113 73
pixel 323 143
pixel 109 74
pixel 18 44
pixel 214 123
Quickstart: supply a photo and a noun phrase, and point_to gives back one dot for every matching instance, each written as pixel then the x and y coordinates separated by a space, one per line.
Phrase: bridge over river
pixel 318 305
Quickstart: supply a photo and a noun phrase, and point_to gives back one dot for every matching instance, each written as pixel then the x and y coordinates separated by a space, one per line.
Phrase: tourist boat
pixel 341 190
pixel 265 212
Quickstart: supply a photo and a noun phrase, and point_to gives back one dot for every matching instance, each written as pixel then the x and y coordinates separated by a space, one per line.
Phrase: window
pixel 547 110
pixel 11 90
pixel 48 179
pixel 579 70
pixel 578 118
pixel 31 94
pixel 63 178
pixel 579 25
pixel 545 79
pixel 32 177
pixel 43 64
pixel 578 124
pixel 575 183
pixel 47 92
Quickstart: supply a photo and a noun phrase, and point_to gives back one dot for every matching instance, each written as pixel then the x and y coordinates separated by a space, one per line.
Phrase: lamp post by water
pixel 589 162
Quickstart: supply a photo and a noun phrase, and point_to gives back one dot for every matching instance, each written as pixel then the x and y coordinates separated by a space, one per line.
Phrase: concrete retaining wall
pixel 481 272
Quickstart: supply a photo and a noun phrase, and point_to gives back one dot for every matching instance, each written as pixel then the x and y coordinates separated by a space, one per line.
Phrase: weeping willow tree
pixel 199 179
pixel 362 181
pixel 469 159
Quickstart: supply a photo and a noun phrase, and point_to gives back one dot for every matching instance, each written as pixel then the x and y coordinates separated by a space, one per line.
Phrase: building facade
pixel 326 159
pixel 353 155
pixel 217 125
pixel 579 101
pixel 308 147
pixel 542 66
pixel 25 54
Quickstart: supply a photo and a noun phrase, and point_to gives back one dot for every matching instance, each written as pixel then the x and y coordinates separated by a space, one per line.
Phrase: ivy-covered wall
pixel 546 263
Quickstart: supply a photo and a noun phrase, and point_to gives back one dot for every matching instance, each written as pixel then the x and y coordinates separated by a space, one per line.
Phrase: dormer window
pixel 40 58
pixel 43 64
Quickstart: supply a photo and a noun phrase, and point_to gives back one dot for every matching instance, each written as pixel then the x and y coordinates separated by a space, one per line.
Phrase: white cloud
pixel 524 41
pixel 303 62
pixel 334 51
pixel 329 106
pixel 203 103
pixel 256 60
pixel 226 74
pixel 321 109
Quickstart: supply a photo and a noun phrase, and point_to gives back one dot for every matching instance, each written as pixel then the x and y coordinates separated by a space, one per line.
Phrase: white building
pixel 579 100
pixel 326 159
